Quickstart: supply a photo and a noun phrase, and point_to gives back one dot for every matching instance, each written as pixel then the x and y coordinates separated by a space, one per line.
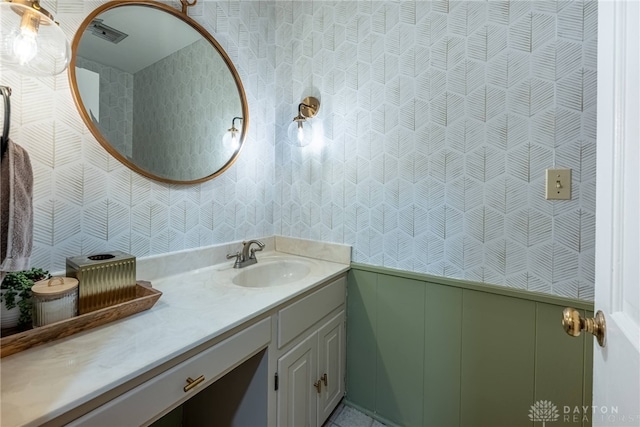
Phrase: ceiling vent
pixel 105 32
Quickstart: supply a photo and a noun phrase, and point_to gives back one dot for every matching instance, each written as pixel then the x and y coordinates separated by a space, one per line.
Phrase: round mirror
pixel 158 91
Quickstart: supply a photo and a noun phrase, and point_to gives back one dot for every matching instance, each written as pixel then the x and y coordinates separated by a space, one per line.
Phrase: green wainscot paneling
pixel 362 348
pixel 400 348
pixel 431 351
pixel 442 355
pixel 498 349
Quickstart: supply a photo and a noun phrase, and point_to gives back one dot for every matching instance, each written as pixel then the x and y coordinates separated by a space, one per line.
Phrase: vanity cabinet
pixel 163 392
pixel 299 345
pixel 216 350
pixel 311 367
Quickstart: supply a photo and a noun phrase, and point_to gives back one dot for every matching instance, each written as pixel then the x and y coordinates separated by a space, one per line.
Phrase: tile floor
pixel 346 416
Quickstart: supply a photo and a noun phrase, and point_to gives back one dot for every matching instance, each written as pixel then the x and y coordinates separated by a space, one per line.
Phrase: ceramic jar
pixel 54 300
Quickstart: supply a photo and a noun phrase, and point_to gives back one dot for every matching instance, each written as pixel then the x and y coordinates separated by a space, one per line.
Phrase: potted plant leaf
pixel 15 297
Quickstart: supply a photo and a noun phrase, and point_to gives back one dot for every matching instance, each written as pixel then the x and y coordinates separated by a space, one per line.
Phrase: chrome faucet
pixel 248 254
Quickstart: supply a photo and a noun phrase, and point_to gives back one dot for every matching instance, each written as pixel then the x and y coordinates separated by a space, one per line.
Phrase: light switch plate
pixel 558 184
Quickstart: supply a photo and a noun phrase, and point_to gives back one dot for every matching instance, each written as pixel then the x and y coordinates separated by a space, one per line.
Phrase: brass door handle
pixel 318 385
pixel 191 383
pixel 324 380
pixel 573 324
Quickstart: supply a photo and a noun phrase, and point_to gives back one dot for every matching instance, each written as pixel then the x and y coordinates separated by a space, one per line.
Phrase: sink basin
pixel 272 273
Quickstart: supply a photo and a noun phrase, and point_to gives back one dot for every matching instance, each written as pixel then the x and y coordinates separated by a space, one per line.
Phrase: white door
pixel 616 386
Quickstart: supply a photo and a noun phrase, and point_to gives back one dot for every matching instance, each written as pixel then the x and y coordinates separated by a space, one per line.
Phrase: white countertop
pixel 44 382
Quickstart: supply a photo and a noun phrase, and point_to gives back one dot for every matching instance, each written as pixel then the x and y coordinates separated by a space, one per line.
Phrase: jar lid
pixel 54 286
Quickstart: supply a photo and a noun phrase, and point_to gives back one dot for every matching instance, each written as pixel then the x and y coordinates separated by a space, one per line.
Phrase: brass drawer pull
pixel 324 380
pixel 191 383
pixel 318 385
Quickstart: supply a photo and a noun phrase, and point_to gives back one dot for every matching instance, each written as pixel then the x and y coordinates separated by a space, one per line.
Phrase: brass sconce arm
pixel 233 128
pixel 233 122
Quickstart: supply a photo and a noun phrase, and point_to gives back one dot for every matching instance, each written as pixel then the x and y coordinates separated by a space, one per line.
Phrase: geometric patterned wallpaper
pixel 85 201
pixel 166 116
pixel 116 104
pixel 439 121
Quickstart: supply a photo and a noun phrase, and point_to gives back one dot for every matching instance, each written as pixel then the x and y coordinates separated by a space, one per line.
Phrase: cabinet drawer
pixel 301 315
pixel 139 405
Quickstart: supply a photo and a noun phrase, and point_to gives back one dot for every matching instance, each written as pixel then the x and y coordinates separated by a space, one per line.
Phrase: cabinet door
pixel 332 362
pixel 297 396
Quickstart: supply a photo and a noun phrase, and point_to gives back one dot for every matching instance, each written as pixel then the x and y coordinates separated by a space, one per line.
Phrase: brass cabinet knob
pixel 318 385
pixel 573 324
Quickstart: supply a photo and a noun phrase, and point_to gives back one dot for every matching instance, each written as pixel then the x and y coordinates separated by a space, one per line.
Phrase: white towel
pixel 16 210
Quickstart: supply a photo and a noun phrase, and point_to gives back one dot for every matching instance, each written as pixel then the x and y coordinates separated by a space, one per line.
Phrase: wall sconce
pixel 31 42
pixel 232 137
pixel 301 130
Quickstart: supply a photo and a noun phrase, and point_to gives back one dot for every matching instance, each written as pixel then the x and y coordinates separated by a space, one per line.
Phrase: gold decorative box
pixel 104 279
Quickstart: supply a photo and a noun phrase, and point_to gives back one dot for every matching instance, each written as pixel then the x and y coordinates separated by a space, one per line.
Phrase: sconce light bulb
pixel 31 42
pixel 25 47
pixel 25 43
pixel 230 139
pixel 300 132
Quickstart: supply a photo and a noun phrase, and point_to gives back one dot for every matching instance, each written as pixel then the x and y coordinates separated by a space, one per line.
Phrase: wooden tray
pixel 145 298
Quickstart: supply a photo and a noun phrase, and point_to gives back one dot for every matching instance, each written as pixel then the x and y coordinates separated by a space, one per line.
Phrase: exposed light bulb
pixel 300 132
pixel 230 139
pixel 31 42
pixel 25 44
pixel 25 47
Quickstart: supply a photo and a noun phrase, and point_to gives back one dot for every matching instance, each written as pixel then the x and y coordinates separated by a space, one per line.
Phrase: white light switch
pixel 558 185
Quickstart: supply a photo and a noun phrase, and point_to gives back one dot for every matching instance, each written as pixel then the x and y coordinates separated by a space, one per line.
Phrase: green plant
pixel 18 284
